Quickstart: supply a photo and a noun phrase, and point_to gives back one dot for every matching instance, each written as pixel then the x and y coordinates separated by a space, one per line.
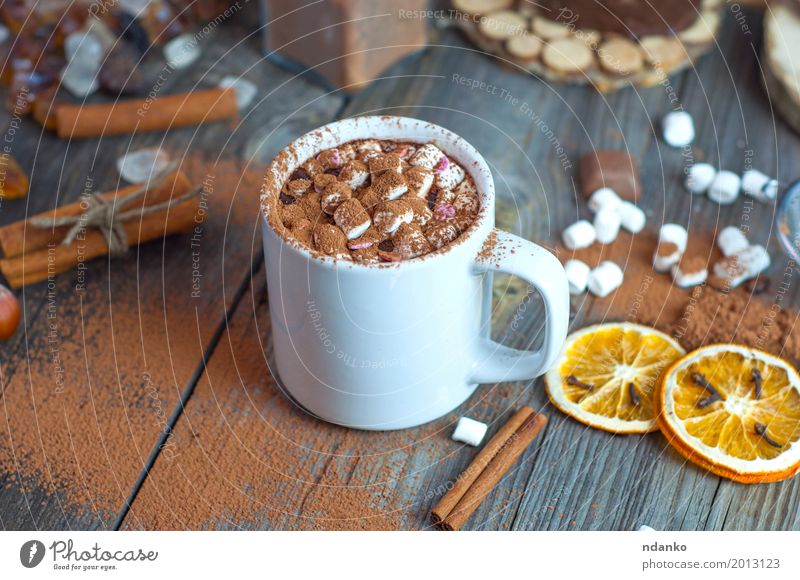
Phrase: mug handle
pixel 519 257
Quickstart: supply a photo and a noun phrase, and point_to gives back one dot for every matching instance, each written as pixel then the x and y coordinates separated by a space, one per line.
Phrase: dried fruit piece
pixel 9 313
pixel 120 73
pixel 14 181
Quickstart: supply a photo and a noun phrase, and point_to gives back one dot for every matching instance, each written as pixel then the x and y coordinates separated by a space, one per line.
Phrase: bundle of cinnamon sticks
pixel 32 253
pixel 487 469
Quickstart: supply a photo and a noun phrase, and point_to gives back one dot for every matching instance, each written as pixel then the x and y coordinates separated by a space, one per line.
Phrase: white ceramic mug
pixel 398 345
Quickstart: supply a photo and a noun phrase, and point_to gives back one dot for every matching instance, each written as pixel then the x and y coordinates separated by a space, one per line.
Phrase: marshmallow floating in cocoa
pixel 427 156
pixel 352 218
pixel 577 276
pixel 678 127
pixel 419 181
pixel 334 195
pixel 410 242
pixel 330 240
pixel 447 174
pixel 380 164
pixel 390 214
pixel 700 177
pixel 390 185
pixel 731 240
pixel 354 173
pixel 579 235
pixel 725 187
pixel 442 234
pixel 604 279
pixel 470 431
pixel 759 185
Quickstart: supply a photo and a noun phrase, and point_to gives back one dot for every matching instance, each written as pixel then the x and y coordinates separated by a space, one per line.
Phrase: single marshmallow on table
pixel 731 240
pixel 632 218
pixel 690 272
pixel 725 187
pixel 672 239
pixel 577 276
pixel 470 431
pixel 579 235
pixel 744 265
pixel 645 528
pixel 678 128
pixel 700 177
pixel 604 279
pixel 759 185
pixel 604 198
pixel 606 225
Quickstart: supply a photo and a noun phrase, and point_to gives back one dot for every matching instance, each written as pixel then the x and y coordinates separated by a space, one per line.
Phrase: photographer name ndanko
pixel 64 551
pixel 658 547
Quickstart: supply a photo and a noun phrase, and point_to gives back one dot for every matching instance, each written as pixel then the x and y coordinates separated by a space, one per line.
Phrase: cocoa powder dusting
pixel 94 388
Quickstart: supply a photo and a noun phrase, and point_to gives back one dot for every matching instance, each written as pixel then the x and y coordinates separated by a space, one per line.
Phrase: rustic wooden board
pixel 137 373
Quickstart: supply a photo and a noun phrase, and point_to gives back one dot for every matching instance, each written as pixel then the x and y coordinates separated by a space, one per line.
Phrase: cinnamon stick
pixel 21 237
pixel 441 510
pixel 511 450
pixel 129 116
pixel 38 265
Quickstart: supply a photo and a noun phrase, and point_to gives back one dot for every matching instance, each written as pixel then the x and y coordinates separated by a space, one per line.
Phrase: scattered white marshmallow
pixel 632 217
pixel 684 278
pixel 731 240
pixel 604 279
pixel 579 235
pixel 604 198
pixel 182 51
pixel 577 276
pixel 759 185
pixel 675 234
pixel 469 431
pixel 139 166
pixel 678 128
pixel 4 34
pixel 700 177
pixel 244 89
pixel 606 225
pixel 743 266
pixel 645 528
pixel 725 187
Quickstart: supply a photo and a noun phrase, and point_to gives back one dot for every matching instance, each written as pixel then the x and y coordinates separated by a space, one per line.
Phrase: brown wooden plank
pixel 133 342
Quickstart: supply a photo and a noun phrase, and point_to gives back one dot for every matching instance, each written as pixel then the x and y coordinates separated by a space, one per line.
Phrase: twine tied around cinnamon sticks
pixel 108 217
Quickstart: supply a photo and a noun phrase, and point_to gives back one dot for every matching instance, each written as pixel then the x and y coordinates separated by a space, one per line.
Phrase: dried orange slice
pixel 735 411
pixel 607 374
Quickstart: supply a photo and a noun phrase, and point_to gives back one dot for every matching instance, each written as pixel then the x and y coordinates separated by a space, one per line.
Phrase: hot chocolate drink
pixel 377 201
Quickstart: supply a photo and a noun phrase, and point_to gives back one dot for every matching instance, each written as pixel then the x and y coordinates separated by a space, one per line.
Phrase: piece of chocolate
pixel 616 169
pixel 624 17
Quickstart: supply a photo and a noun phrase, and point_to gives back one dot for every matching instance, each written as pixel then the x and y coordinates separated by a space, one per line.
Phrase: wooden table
pixel 189 386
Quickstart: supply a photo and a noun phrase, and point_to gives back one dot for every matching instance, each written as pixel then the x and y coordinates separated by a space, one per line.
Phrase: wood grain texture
pixel 280 469
pixel 133 341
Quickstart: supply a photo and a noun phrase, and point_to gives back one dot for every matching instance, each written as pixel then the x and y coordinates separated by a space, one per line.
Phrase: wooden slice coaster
pixel 482 6
pixel 620 56
pixel 568 56
pixel 662 51
pixel 525 46
pixel 502 25
pixel 549 29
